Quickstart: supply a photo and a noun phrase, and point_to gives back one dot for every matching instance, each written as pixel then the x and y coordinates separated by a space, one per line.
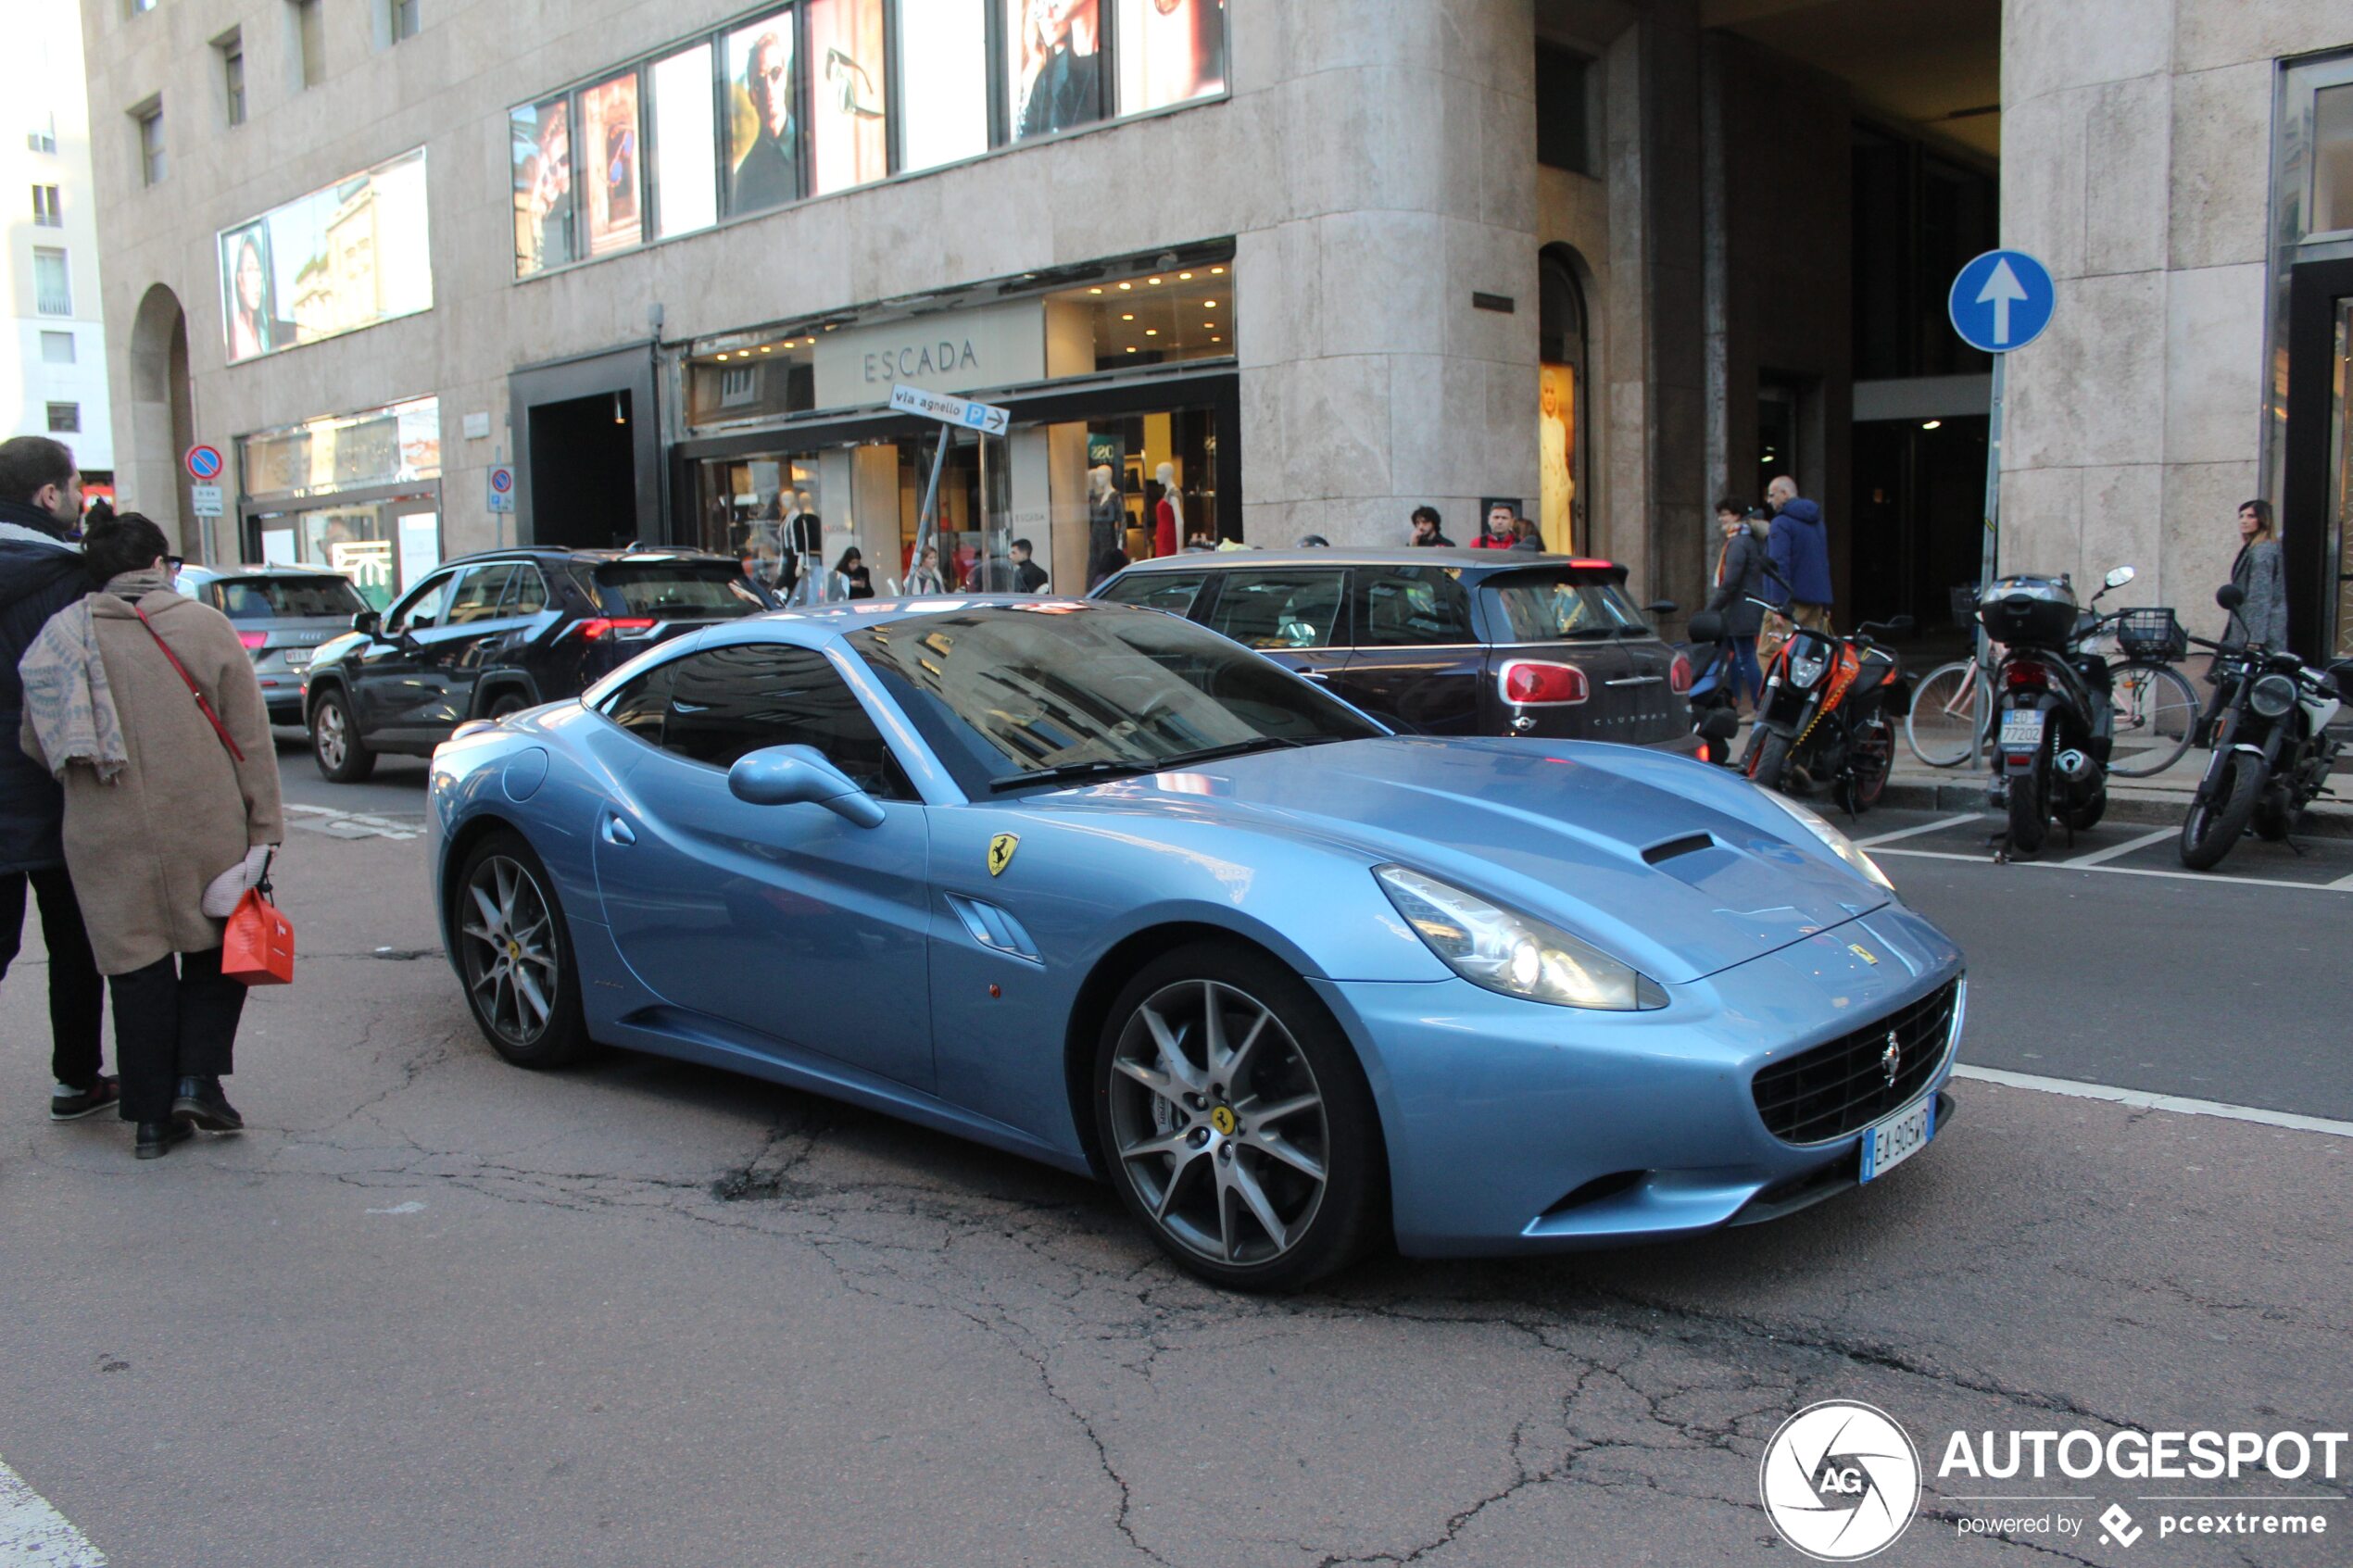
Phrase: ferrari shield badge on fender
pixel 1000 852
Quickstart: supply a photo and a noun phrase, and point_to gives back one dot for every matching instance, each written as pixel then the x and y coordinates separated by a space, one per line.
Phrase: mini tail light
pixel 1532 683
pixel 597 627
pixel 1678 676
pixel 2025 672
pixel 252 641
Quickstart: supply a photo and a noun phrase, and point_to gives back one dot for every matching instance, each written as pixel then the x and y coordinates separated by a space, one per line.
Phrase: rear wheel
pixel 2030 810
pixel 1768 759
pixel 1236 1122
pixel 2155 713
pixel 515 953
pixel 1869 758
pixel 2216 822
pixel 335 745
pixel 506 703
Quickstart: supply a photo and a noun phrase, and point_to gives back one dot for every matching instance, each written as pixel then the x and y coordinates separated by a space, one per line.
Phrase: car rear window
pixel 285 598
pixel 707 590
pixel 1542 607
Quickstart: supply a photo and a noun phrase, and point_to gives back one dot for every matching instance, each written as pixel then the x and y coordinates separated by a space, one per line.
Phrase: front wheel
pixel 1235 1123
pixel 336 746
pixel 2030 810
pixel 2216 823
pixel 1768 759
pixel 2154 713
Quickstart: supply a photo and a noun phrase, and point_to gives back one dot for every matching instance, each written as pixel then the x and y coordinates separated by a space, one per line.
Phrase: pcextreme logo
pixel 1839 1480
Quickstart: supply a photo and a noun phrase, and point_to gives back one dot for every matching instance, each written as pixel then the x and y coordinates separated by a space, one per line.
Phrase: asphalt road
pixel 432 1310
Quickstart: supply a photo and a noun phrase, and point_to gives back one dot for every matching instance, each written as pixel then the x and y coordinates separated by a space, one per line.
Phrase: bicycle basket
pixel 1965 605
pixel 2151 634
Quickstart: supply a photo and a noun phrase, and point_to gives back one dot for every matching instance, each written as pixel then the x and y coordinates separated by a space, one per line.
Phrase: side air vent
pixel 1690 844
pixel 992 927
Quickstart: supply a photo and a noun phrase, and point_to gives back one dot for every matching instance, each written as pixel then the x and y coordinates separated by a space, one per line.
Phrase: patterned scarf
pixel 67 697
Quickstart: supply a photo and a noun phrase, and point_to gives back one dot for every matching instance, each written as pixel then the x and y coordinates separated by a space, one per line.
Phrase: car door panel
pixel 1416 660
pixel 1297 618
pixel 390 686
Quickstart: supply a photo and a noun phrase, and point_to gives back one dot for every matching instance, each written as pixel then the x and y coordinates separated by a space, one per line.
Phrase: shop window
pixel 731 701
pixel 763 130
pixel 1560 392
pixel 1564 109
pixel 539 150
pixel 1409 606
pixel 1169 52
pixel 685 143
pixel 1278 609
pixel 847 97
pixel 943 110
pixel 1053 65
pixel 1157 318
pixel 2332 159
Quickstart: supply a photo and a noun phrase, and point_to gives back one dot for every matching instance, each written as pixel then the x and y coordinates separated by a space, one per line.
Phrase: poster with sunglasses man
pixel 767 142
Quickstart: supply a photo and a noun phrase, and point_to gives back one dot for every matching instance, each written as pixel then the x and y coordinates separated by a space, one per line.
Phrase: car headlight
pixel 1839 844
pixel 1512 953
pixel 2272 695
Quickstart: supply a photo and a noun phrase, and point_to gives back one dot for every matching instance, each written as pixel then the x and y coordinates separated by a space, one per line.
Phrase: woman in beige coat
pixel 164 826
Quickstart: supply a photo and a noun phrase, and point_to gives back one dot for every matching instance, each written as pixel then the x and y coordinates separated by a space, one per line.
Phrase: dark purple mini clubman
pixel 1446 642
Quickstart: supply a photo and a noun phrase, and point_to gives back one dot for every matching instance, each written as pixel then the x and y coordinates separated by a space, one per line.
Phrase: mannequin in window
pixel 1168 514
pixel 1105 515
pixel 804 543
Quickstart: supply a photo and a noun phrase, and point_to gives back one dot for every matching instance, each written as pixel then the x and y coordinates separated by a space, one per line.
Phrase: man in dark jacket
pixel 1801 553
pixel 40 574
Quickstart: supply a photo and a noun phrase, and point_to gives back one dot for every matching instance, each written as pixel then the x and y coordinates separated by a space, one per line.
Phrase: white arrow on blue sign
pixel 2001 301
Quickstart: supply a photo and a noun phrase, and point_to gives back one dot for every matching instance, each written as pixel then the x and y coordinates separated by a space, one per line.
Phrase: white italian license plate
pixel 1898 1138
pixel 2023 727
pixel 296 657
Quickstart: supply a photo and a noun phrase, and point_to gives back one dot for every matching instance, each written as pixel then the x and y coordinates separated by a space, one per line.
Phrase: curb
pixel 2156 808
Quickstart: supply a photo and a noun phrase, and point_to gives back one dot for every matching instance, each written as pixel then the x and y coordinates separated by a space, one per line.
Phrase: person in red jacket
pixel 1168 514
pixel 1501 532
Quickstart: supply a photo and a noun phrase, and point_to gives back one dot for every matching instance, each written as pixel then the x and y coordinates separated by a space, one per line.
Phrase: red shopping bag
pixel 258 946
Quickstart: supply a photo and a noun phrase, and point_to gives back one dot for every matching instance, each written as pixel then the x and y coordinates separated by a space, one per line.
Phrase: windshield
pixel 1544 606
pixel 285 598
pixel 1008 697
pixel 701 589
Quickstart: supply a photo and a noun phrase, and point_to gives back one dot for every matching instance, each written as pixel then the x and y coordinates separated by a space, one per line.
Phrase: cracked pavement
pixel 431 1309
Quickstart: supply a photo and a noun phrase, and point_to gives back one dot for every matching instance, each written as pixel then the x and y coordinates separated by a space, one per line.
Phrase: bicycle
pixel 2155 712
pixel 1952 716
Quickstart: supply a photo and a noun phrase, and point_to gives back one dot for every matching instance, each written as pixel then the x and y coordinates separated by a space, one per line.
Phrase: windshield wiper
pixel 1109 767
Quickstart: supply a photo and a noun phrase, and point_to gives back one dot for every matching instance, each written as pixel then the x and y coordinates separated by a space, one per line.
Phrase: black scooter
pixel 2273 751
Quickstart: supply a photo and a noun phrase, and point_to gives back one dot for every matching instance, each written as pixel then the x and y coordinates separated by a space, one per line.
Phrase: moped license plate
pixel 2022 728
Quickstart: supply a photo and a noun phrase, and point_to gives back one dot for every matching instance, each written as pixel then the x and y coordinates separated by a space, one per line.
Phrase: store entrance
pixel 583 472
pixel 2315 497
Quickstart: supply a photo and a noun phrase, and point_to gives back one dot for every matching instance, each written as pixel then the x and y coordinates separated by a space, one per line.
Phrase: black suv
pixel 491 634
pixel 1448 641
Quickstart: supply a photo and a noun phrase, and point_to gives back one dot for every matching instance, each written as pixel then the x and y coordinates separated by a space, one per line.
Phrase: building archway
pixel 1563 443
pixel 161 418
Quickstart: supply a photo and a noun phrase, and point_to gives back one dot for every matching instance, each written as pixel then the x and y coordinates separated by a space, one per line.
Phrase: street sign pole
pixel 1992 508
pixel 927 519
pixel 1999 302
pixel 954 414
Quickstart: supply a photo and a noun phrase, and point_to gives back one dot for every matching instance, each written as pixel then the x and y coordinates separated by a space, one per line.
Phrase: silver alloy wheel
pixel 511 962
pixel 1218 1123
pixel 328 734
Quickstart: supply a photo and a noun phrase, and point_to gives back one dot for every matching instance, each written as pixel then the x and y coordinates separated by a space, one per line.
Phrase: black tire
pixel 2086 813
pixel 1330 1227
pixel 541 1033
pixel 2030 810
pixel 336 746
pixel 2214 826
pixel 1768 759
pixel 506 703
pixel 1870 757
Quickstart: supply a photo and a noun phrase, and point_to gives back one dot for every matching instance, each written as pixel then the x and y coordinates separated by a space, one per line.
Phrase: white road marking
pixel 2141 1099
pixel 33 1534
pixel 1924 827
pixel 2118 852
pixel 411 1206
pixel 2211 878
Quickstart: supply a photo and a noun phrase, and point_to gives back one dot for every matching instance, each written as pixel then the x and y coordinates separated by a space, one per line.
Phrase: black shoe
pixel 73 1105
pixel 157 1137
pixel 200 1103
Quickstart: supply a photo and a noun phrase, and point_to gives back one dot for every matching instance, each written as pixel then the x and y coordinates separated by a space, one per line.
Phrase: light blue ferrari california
pixel 1099 886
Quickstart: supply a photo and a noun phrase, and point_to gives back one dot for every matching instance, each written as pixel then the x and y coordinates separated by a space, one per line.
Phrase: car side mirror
pixel 1659 607
pixel 2230 595
pixel 1707 627
pixel 2122 575
pixel 796 775
pixel 366 623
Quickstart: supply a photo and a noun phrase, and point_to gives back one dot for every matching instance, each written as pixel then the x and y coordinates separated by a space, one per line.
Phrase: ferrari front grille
pixel 1844 1085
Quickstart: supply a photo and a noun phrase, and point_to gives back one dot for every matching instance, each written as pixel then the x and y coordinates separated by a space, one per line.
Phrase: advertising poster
pixel 943 108
pixel 1054 58
pixel 540 142
pixel 608 133
pixel 255 326
pixel 686 148
pixel 345 257
pixel 1556 455
pixel 1170 50
pixel 764 134
pixel 846 99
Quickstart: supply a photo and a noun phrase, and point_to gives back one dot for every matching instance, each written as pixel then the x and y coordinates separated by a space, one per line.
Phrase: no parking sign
pixel 502 487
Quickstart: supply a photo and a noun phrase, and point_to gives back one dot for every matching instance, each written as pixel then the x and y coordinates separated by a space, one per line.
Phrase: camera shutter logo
pixel 1839 1480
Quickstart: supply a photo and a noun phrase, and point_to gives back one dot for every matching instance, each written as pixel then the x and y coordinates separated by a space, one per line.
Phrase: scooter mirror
pixel 2122 575
pixel 2230 595
pixel 1707 627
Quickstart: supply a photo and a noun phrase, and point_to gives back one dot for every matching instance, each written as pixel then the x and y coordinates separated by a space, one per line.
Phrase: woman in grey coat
pixel 1740 580
pixel 2256 573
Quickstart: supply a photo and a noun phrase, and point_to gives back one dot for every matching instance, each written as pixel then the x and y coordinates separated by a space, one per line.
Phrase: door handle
pixel 618 831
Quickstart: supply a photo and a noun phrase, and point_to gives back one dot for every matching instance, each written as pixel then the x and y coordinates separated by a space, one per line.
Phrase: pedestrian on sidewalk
pixel 1428 530
pixel 41 574
pixel 1799 545
pixel 2261 617
pixel 1740 583
pixel 171 813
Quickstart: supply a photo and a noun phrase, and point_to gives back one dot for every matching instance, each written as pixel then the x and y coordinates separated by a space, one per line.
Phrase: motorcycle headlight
pixel 1805 669
pixel 2272 695
pixel 1512 953
pixel 1839 844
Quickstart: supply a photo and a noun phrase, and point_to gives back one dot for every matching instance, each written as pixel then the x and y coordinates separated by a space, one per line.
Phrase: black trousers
pixel 77 996
pixel 175 1019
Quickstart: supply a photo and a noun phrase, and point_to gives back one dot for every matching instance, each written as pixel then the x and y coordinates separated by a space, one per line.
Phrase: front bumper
pixel 1514 1127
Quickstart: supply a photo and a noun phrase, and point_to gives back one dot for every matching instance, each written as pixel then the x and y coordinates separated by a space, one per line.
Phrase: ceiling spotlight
pixel 1132 348
pixel 1151 332
pixel 767 348
pixel 1124 287
pixel 1127 315
pixel 1218 271
pixel 1216 340
pixel 1933 424
pixel 1097 290
pixel 1186 277
pixel 723 356
pixel 1153 281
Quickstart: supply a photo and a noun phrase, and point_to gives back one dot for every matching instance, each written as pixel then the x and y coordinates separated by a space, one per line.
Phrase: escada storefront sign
pixel 954 351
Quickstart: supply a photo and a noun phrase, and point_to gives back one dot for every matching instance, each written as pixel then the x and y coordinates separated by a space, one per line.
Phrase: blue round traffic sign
pixel 204 462
pixel 2001 301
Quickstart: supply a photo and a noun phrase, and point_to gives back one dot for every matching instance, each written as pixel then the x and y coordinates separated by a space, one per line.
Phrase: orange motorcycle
pixel 1829 713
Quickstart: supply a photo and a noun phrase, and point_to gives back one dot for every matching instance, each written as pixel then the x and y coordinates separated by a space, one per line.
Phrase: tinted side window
pixel 640 705
pixel 1278 609
pixel 526 592
pixel 1401 606
pixel 421 611
pixel 1157 590
pixel 731 700
pixel 478 593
